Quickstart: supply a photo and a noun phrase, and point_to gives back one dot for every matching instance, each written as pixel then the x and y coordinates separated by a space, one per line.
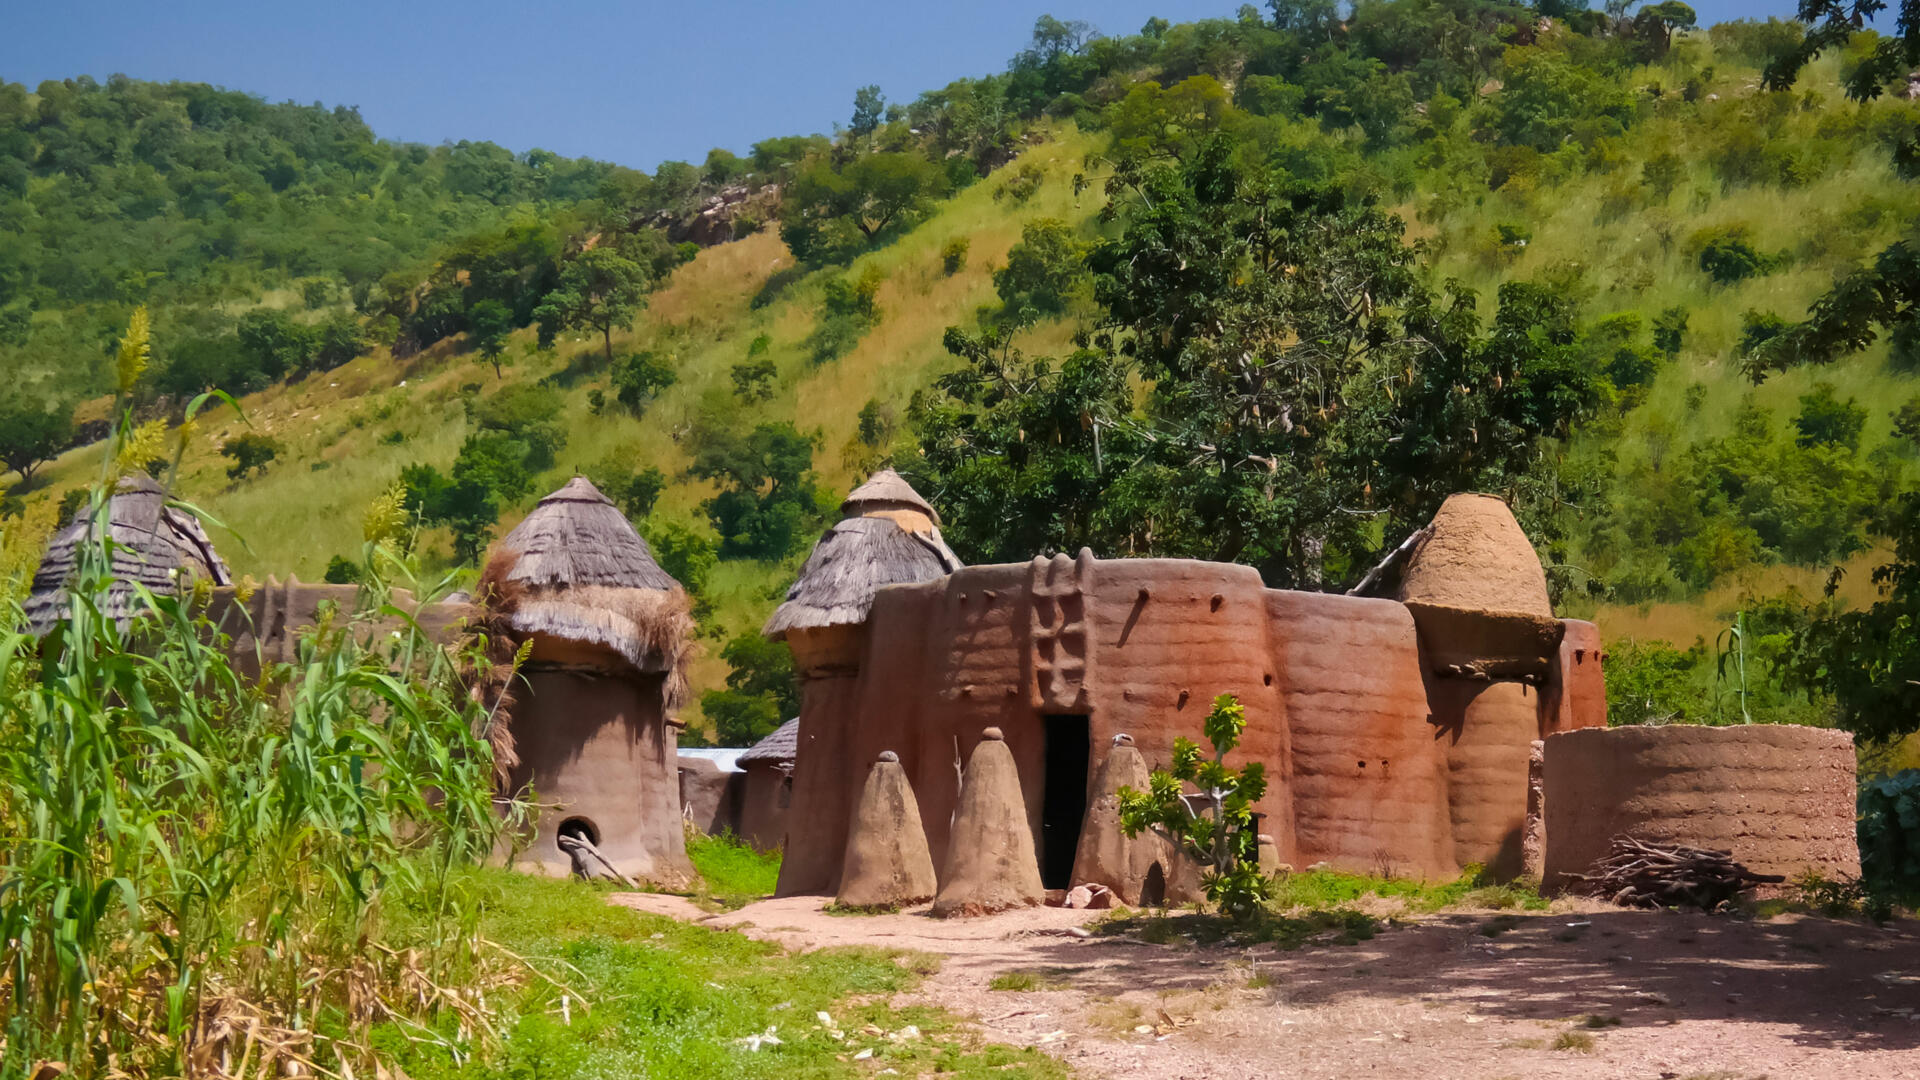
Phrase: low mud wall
pixel 1780 797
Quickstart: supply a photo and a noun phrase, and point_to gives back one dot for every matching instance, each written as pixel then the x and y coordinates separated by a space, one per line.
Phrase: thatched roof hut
pixel 154 545
pixel 887 490
pixel 576 570
pixel 776 749
pixel 890 537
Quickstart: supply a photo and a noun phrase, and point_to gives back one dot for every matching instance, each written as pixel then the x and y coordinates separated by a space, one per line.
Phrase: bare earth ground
pixel 1432 997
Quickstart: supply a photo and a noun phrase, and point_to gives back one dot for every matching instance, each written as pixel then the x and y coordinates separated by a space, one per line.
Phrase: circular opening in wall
pixel 582 829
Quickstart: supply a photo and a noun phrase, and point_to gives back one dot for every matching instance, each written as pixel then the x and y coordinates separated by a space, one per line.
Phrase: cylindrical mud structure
pixel 1780 797
pixel 1369 776
pixel 595 749
pixel 1576 694
pixel 827 660
pixel 1487 730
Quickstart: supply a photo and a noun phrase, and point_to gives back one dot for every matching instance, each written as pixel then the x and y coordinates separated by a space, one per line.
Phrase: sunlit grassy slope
pixel 348 432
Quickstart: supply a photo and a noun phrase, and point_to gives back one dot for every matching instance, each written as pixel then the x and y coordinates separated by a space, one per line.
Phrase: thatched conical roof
pixel 886 490
pixel 575 569
pixel 777 748
pixel 856 557
pixel 576 536
pixel 155 545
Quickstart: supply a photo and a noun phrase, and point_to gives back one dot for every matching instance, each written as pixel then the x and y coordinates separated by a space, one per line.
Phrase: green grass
pixel 1322 889
pixel 1028 980
pixel 651 997
pixel 732 873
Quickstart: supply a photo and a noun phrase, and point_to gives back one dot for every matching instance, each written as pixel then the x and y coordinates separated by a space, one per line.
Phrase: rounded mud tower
pixel 1478 594
pixel 1488 730
pixel 1369 780
pixel 1780 797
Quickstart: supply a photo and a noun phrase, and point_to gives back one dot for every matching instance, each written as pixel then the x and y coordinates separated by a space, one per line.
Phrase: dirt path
pixel 1675 995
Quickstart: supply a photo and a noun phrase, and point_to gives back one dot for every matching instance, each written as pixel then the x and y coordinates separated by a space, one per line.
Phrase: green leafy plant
pixel 1222 835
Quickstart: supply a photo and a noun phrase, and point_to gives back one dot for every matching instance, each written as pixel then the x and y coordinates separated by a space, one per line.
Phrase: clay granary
pixel 888 535
pixel 593 723
pixel 1396 732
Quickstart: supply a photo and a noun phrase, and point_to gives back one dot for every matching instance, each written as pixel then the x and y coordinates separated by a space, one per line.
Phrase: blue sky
pixel 635 83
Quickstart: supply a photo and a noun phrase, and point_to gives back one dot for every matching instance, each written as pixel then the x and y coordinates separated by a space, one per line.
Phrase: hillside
pixel 1670 214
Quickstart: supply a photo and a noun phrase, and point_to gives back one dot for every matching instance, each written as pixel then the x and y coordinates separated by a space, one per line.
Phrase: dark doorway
pixel 1153 891
pixel 1063 801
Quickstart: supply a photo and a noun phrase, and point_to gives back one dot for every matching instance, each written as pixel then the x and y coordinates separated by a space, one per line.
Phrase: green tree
pixel 639 378
pixel 1825 420
pixel 1042 272
pixel 767 499
pixel 869 107
pixel 275 343
pixel 1223 836
pixel 761 694
pixel 492 323
pixel 634 491
pixel 599 290
pixel 251 452
pixel 31 436
pixel 529 414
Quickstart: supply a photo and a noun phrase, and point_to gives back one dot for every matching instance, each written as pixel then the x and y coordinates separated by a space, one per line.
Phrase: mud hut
pixel 592 728
pixel 1489 644
pixel 154 546
pixel 767 790
pixel 888 535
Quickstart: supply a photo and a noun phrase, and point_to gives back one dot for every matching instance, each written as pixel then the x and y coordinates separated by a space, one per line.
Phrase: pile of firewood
pixel 1642 874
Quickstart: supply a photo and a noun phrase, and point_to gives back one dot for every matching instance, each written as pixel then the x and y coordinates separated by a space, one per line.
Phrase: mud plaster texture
pixel 1576 692
pixel 1430 996
pixel 1478 594
pixel 1487 730
pixel 709 795
pixel 596 747
pixel 990 864
pixel 1369 776
pixel 1780 797
pixel 1107 855
pixel 887 863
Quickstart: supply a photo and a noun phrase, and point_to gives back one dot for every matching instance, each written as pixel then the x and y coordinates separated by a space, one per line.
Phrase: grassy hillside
pixel 1579 159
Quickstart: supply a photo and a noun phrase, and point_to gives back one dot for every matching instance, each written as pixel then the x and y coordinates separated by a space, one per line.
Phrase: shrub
pixel 342 571
pixel 1727 256
pixel 953 255
pixel 1221 836
pixel 1889 833
pixel 251 452
pixel 1825 420
pixel 639 378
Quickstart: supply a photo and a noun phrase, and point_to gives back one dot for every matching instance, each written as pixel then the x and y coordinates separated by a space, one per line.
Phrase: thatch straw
pixel 778 748
pixel 887 490
pixel 854 558
pixel 576 536
pixel 576 569
pixel 155 545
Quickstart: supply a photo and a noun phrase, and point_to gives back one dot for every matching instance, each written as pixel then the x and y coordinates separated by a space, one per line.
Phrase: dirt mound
pixel 887 863
pixel 991 864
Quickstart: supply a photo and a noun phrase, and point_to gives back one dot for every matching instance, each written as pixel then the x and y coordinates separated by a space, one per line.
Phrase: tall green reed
pixel 180 843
